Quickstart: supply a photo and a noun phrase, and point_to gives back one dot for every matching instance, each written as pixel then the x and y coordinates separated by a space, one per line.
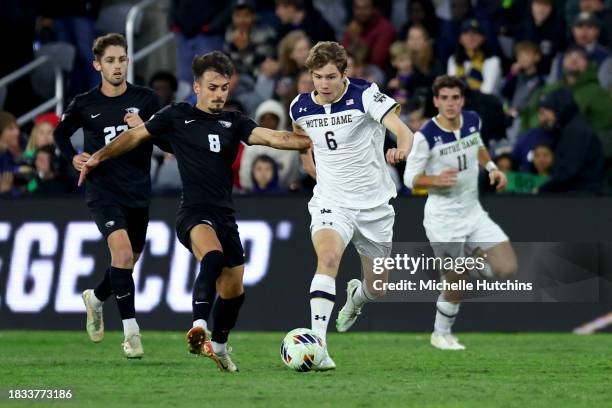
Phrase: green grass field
pixel 374 369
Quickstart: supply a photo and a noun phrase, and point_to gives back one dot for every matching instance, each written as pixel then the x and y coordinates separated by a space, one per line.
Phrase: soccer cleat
pixel 132 346
pixel 95 319
pixel 196 338
pixel 446 342
pixel 223 361
pixel 326 364
pixel 349 313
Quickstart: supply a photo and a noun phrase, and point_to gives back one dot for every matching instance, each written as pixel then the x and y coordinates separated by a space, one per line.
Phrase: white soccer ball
pixel 302 349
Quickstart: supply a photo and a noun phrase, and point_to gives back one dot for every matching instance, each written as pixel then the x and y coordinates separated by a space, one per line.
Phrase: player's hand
pixel 307 149
pixel 88 166
pixel 447 178
pixel 78 160
pixel 499 178
pixel 132 120
pixel 395 156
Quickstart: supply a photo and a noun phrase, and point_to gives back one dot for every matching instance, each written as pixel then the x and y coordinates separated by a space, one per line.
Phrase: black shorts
pixel 113 217
pixel 224 225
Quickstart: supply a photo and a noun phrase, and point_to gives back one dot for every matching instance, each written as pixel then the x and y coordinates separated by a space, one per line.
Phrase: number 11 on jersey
pixel 462 165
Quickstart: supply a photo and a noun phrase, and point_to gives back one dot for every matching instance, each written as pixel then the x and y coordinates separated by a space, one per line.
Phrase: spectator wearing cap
pixel 585 34
pixel 199 27
pixel 372 29
pixel 473 61
pixel 41 134
pixel 604 16
pixel 544 26
pixel 294 15
pixel 578 165
pixel 450 30
pixel 247 41
pixel 580 77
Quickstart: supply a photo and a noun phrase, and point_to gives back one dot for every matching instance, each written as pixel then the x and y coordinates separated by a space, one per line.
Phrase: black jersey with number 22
pixel 125 179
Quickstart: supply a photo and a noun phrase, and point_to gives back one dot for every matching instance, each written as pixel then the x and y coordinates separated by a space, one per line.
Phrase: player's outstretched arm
pixel 404 135
pixel 279 139
pixel 123 143
pixel 496 177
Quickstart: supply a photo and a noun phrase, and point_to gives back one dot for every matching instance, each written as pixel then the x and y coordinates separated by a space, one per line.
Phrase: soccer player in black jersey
pixel 118 194
pixel 205 140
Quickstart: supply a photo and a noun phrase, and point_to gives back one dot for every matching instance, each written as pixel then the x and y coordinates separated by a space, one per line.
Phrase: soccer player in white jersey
pixel 346 119
pixel 445 160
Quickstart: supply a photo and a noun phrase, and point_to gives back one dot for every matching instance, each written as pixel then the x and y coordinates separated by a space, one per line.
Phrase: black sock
pixel 123 287
pixel 104 288
pixel 204 287
pixel 225 314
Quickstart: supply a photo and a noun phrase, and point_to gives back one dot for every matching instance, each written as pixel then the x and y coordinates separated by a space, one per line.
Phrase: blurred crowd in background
pixel 516 57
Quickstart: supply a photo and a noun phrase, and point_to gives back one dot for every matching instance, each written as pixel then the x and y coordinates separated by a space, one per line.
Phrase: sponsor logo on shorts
pixel 109 224
pixel 326 211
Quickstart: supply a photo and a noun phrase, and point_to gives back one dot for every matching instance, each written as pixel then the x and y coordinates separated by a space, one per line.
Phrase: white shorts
pixel 477 230
pixel 371 230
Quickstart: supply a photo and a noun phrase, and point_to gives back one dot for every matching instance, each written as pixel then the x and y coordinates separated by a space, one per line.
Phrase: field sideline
pixel 374 369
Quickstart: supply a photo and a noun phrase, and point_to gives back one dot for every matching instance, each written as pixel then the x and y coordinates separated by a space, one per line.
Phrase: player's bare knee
pixel 123 258
pixel 229 287
pixel 506 269
pixel 329 261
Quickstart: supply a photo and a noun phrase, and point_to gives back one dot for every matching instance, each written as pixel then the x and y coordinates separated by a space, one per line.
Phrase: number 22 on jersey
pixel 111 132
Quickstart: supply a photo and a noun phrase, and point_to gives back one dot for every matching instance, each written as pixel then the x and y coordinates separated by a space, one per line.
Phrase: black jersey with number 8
pixel 205 146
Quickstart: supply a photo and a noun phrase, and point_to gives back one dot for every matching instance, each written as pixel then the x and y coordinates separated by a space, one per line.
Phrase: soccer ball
pixel 302 349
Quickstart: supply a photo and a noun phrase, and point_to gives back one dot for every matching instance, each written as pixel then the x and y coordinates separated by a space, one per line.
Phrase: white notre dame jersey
pixel 436 149
pixel 348 139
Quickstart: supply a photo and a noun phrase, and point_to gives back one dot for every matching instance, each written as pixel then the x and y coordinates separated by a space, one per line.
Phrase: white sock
pixel 130 327
pixel 95 302
pixel 361 296
pixel 219 348
pixel 445 315
pixel 322 298
pixel 201 323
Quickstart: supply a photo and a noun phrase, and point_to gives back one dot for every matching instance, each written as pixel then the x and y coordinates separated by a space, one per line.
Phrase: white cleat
pixel 326 364
pixel 132 346
pixel 446 342
pixel 349 313
pixel 224 361
pixel 95 318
